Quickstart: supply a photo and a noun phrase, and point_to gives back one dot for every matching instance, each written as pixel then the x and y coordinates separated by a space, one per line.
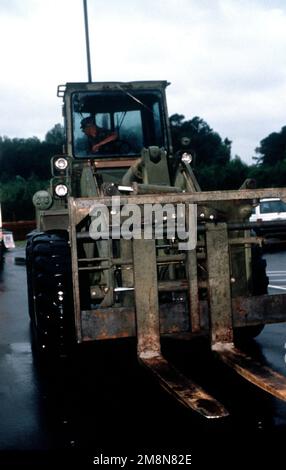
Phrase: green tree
pixel 231 176
pixel 16 197
pixel 207 146
pixel 272 149
pixel 24 169
pixel 56 135
pixel 212 163
pixel 25 157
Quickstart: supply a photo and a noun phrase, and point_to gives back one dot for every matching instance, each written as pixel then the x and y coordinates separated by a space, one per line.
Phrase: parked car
pixel 1 240
pixel 270 210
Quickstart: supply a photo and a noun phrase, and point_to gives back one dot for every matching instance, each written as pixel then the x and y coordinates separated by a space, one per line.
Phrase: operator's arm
pixel 110 138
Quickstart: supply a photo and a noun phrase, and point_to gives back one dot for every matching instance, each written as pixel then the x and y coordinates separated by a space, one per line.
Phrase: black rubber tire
pixel 49 280
pixel 260 283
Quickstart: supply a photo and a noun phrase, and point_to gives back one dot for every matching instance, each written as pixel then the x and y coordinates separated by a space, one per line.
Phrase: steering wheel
pixel 121 146
pixel 117 146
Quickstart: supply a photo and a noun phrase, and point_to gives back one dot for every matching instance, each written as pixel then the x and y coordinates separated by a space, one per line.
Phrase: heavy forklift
pixel 128 245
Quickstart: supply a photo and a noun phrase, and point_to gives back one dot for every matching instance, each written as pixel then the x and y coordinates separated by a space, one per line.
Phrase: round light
pixel 185 141
pixel 187 157
pixel 42 200
pixel 61 163
pixel 61 190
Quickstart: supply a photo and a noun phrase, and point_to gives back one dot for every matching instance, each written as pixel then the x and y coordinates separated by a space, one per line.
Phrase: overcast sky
pixel 225 60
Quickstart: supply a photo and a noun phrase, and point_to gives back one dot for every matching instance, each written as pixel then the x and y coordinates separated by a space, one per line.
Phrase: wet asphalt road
pixel 101 400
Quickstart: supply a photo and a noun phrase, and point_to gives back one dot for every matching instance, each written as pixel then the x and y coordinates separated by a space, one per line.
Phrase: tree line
pixel 24 169
pixel 215 168
pixel 25 163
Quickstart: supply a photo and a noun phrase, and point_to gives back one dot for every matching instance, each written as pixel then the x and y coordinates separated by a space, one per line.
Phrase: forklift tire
pixel 260 283
pixel 49 279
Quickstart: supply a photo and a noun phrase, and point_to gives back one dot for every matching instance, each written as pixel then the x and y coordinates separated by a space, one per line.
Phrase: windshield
pixel 116 122
pixel 266 207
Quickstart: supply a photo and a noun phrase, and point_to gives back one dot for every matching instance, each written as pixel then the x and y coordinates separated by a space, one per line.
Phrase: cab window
pixel 136 117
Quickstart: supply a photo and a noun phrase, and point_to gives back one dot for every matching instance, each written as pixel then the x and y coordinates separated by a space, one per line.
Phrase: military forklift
pixel 108 260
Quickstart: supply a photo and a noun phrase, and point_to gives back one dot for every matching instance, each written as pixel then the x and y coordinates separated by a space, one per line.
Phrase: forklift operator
pixel 97 136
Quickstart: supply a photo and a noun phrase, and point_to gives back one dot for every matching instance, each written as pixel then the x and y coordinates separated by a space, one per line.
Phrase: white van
pixel 268 210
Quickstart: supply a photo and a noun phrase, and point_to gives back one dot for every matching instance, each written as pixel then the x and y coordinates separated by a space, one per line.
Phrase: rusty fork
pixel 221 317
pixel 182 388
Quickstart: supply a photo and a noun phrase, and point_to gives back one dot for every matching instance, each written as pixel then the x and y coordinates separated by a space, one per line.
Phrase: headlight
pixel 61 190
pixel 187 157
pixel 61 163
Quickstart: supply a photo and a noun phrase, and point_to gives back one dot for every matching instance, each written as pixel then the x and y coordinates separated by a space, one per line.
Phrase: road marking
pixel 276 273
pixel 276 287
